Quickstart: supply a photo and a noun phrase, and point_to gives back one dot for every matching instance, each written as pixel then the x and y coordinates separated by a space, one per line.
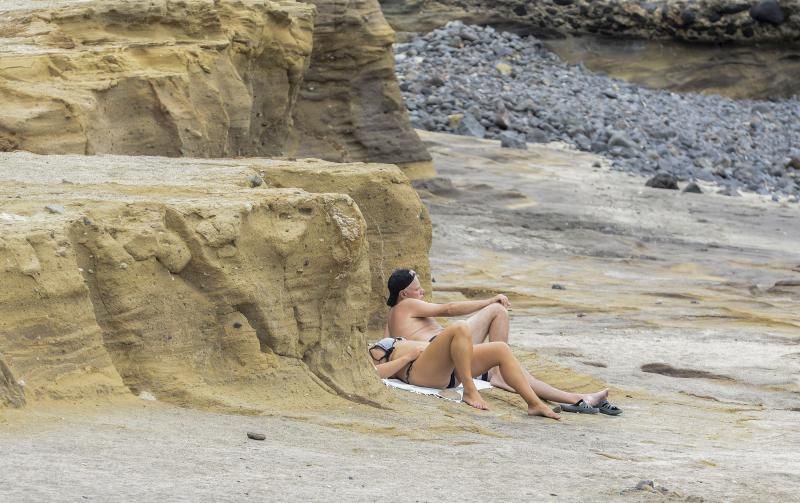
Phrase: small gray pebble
pixel 556 286
pixel 256 436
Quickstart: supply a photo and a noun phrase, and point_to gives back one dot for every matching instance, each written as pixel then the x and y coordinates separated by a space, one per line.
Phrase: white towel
pixel 396 383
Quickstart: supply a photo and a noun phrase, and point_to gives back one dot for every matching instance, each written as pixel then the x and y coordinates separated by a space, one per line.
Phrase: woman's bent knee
pixel 459 327
pixel 501 347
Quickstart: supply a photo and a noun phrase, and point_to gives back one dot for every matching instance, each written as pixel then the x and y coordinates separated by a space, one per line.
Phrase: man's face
pixel 414 290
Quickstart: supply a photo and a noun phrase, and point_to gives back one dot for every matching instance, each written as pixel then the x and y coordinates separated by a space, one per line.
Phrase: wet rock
pixel 256 436
pixel 663 181
pixel 557 286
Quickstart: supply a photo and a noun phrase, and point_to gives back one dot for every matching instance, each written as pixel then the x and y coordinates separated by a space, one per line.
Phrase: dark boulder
pixel 768 11
pixel 663 181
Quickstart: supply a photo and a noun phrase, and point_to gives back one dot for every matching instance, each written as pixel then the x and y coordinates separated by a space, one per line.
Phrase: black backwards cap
pixel 399 281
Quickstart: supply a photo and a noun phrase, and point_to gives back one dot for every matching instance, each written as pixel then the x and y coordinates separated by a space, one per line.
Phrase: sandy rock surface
pixel 203 79
pixel 197 282
pixel 684 304
pixel 349 106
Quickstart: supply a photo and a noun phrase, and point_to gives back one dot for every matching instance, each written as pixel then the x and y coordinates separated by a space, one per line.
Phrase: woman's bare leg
pixel 499 354
pixel 451 349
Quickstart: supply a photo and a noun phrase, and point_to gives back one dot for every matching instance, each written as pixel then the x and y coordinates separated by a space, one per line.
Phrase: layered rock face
pixel 203 79
pixel 398 225
pixel 703 20
pixel 192 281
pixel 153 78
pixel 350 107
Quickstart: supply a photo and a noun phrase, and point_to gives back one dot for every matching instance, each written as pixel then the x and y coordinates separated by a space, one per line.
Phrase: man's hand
pixel 502 300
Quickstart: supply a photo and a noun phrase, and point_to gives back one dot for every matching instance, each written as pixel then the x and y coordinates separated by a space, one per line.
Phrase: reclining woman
pixel 450 358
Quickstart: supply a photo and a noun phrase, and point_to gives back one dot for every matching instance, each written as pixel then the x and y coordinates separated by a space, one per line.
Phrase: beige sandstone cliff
pixel 152 78
pixel 203 78
pixel 350 107
pixel 192 280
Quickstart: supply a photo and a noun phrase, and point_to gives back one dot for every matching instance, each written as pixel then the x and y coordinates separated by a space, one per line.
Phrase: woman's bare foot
pixel 595 399
pixel 542 410
pixel 473 399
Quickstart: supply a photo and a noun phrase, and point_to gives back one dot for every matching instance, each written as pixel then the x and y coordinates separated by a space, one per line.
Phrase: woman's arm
pixel 389 369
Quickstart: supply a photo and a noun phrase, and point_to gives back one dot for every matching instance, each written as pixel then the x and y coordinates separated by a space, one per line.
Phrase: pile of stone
pixel 476 81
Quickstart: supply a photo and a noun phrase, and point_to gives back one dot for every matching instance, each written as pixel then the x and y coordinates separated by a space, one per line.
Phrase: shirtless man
pixel 410 317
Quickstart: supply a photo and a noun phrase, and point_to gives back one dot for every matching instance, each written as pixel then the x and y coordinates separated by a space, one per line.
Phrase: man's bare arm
pixel 421 309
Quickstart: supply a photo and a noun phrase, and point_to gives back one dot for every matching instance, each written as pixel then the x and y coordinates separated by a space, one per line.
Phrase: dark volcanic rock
pixel 741 145
pixel 663 181
pixel 711 21
pixel 768 11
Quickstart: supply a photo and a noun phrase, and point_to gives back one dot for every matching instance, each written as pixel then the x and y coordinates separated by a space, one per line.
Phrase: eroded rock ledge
pixel 685 20
pixel 193 280
pixel 202 78
pixel 350 107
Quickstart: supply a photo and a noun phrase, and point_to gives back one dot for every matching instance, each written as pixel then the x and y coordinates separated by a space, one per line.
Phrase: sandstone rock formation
pixel 203 79
pixel 350 107
pixel 398 225
pixel 192 280
pixel 153 78
pixel 703 20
